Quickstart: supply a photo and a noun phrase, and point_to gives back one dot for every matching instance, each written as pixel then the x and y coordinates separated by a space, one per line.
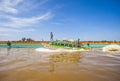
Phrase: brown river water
pixel 26 64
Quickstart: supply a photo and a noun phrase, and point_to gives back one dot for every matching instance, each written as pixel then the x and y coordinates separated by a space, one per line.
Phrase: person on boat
pixel 9 43
pixel 78 42
pixel 51 36
pixel 88 44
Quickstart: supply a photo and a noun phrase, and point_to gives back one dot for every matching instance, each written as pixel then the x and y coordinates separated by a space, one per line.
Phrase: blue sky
pixel 85 19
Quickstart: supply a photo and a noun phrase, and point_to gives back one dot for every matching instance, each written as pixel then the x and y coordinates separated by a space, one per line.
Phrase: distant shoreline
pixel 47 42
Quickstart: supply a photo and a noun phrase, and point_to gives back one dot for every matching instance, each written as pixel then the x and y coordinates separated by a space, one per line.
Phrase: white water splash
pixel 111 49
pixel 55 50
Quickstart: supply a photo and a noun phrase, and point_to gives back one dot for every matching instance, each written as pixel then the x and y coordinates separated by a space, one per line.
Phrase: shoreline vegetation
pixel 48 42
pixel 82 45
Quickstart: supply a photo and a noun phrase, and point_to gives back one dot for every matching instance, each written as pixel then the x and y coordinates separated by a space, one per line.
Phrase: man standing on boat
pixel 78 43
pixel 51 36
pixel 9 44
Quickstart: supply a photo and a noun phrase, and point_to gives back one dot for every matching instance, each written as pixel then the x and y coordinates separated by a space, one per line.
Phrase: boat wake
pixel 112 49
pixel 55 50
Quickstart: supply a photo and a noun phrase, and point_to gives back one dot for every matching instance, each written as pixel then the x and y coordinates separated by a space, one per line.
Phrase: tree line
pixel 26 39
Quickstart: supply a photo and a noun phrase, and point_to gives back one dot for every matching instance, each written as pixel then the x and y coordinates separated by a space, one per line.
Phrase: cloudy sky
pixel 84 19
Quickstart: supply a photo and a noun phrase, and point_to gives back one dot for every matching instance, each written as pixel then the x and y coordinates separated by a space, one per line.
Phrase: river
pixel 26 64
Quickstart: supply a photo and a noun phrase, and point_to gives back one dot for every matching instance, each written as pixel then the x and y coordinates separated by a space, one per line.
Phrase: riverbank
pixel 47 42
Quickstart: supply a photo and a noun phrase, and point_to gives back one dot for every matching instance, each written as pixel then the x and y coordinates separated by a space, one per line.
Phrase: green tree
pixel 23 39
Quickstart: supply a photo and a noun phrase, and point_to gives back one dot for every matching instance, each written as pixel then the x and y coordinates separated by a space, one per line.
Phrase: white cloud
pixel 4 34
pixel 5 30
pixel 11 33
pixel 13 17
pixel 9 6
pixel 17 6
pixel 16 22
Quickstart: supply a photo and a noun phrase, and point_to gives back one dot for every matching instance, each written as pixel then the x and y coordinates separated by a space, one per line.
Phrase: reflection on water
pixel 67 57
pixel 8 50
pixel 25 64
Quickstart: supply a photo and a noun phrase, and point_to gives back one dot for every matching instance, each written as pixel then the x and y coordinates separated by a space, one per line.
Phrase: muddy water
pixel 26 64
